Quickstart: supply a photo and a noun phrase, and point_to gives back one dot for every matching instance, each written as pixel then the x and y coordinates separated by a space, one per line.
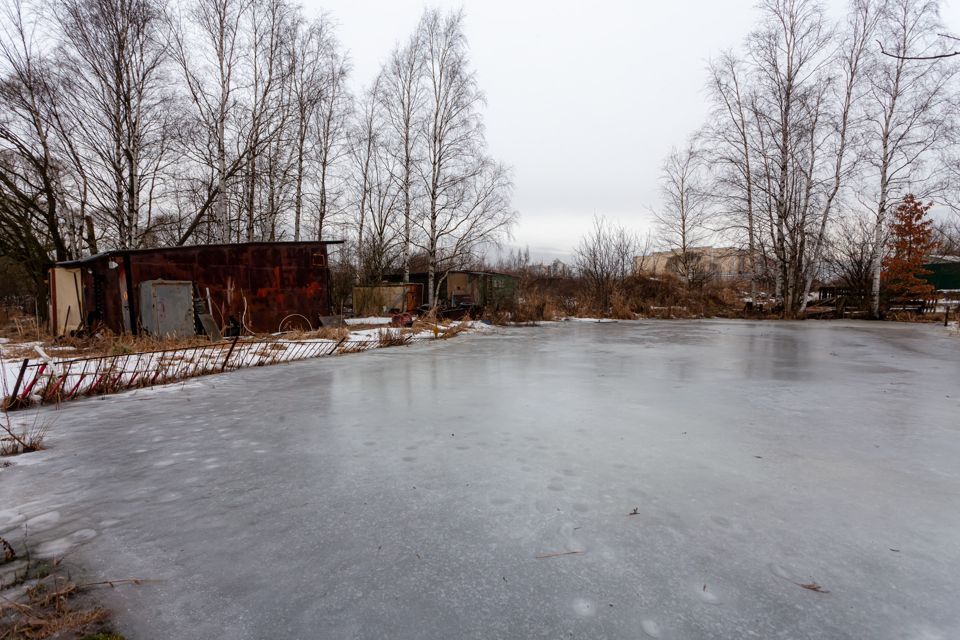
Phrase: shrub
pixel 26 439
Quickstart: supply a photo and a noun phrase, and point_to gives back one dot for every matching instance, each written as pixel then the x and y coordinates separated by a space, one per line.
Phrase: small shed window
pixel 319 259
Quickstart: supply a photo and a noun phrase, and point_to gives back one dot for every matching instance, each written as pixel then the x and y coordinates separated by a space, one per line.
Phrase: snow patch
pixel 368 320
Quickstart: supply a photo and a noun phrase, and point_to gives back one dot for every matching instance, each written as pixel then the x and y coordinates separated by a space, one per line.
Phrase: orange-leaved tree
pixel 911 238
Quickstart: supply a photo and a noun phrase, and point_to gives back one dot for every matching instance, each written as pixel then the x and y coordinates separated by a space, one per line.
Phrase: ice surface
pixel 407 493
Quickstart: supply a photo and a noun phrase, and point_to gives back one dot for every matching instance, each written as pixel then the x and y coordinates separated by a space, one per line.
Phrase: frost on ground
pixel 690 480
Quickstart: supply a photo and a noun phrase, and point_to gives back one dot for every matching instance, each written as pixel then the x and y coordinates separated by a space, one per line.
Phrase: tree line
pixel 817 131
pixel 128 124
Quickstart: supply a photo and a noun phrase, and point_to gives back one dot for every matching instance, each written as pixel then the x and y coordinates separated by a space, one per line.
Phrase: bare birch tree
pixel 375 194
pixel 683 219
pixel 730 132
pixel 789 53
pixel 451 130
pixel 861 25
pixel 207 47
pixel 906 115
pixel 114 59
pixel 32 198
pixel 403 96
pixel 266 110
pixel 331 129
pixel 309 84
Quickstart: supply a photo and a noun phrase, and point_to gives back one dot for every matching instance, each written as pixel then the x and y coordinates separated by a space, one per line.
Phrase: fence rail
pixel 62 380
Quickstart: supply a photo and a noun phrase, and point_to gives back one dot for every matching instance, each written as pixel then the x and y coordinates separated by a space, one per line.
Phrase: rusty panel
pixel 102 302
pixel 258 284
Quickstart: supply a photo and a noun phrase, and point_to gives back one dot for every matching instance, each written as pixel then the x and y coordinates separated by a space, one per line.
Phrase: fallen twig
pixel 809 586
pixel 114 583
pixel 559 553
pixel 812 586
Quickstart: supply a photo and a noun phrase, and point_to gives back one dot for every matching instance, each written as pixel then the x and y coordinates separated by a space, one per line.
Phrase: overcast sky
pixel 584 100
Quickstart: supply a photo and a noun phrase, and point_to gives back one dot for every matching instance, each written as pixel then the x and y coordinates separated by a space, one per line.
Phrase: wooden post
pixel 23 370
pixel 227 359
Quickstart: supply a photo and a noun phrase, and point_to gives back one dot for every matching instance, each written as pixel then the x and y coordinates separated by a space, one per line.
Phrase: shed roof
pixel 935 259
pixel 192 247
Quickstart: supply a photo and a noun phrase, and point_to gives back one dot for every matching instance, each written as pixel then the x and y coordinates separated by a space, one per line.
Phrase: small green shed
pixel 944 273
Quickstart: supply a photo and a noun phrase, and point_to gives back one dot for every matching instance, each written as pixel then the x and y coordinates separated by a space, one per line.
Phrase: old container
pixel 254 285
pixel 485 289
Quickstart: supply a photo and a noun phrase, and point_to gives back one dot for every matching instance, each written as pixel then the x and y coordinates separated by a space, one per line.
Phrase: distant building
pixel 724 263
pixel 559 269
pixel 556 269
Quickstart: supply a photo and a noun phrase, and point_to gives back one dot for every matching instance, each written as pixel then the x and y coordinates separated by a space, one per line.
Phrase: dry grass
pixel 50 605
pixel 430 322
pixel 500 318
pixel 106 344
pixel 455 329
pixel 126 344
pixel 620 307
pixel 428 318
pixel 421 325
pixel 534 305
pixel 20 327
pixel 440 328
pixel 910 316
pixel 323 333
pixel 392 338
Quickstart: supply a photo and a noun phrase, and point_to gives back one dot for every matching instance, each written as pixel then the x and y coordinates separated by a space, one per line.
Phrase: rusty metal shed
pixel 256 284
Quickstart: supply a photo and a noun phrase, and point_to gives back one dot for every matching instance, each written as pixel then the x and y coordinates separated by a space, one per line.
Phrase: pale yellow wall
pixel 727 261
pixel 68 313
pixel 460 284
pixel 378 300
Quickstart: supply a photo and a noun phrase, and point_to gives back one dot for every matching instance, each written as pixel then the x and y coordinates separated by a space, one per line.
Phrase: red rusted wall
pixel 276 279
pixel 101 292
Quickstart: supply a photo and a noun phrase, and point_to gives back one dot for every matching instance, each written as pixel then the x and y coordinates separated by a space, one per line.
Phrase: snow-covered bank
pixel 46 379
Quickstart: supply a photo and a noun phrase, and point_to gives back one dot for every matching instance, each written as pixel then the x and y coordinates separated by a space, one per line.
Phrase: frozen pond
pixel 408 492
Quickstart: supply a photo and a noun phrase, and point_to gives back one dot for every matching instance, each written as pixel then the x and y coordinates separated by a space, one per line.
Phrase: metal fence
pixel 62 380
